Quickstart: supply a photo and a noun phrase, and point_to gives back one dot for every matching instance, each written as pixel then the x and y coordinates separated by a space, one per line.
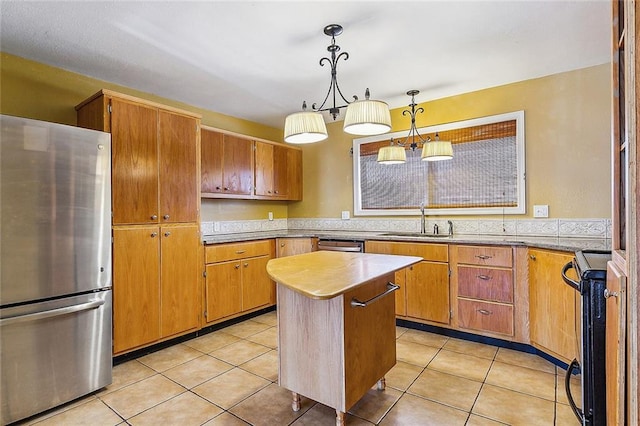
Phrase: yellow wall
pixel 567 118
pixel 567 137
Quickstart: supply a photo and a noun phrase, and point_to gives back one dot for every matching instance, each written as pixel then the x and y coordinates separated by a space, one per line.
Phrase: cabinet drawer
pixel 485 255
pixel 485 316
pixel 427 251
pixel 485 283
pixel 232 251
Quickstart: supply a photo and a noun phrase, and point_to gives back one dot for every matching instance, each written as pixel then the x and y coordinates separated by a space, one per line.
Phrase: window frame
pixel 520 208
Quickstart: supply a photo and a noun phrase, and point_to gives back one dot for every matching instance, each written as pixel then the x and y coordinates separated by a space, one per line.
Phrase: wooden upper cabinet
pixel 154 157
pixel 271 169
pixel 227 164
pixel 134 165
pixel 294 174
pixel 178 172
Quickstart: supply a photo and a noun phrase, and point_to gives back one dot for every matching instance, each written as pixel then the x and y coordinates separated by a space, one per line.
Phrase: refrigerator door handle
pixel 567 387
pixel 52 313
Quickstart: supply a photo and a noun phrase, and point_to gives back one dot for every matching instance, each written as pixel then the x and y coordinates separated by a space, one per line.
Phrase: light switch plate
pixel 541 210
pixel 270 215
pixel 345 214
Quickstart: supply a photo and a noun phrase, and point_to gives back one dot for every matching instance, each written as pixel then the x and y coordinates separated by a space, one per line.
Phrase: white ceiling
pixel 259 60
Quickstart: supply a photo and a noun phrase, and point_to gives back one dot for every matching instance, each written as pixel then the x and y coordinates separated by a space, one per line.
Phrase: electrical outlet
pixel 270 215
pixel 345 214
pixel 541 210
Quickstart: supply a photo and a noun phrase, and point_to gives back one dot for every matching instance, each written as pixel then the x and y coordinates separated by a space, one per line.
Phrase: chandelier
pixel 432 150
pixel 363 117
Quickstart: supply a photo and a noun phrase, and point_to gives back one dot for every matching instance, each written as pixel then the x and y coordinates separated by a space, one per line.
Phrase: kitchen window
pixel 485 176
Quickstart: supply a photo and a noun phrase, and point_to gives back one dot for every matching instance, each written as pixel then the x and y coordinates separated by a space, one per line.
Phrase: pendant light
pixel 431 150
pixel 363 117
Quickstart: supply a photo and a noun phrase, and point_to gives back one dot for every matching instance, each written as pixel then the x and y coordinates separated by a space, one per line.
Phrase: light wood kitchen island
pixel 336 324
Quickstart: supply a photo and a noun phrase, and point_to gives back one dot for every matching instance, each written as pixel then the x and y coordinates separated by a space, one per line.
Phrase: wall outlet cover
pixel 541 210
pixel 270 215
pixel 345 214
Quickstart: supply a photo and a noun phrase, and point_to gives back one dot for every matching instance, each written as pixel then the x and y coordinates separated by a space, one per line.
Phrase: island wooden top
pixel 327 274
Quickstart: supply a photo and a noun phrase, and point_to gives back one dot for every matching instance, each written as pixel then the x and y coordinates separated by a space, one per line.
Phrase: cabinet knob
pixel 218 188
pixel 608 294
pixel 268 192
pixel 281 244
pixel 165 217
pixel 275 192
pixel 246 264
pixel 166 234
pixel 154 234
pixel 154 217
pixel 532 256
pixel 226 188
pixel 237 266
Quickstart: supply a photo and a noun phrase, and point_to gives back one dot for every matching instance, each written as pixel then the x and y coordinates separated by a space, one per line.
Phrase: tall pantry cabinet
pixel 155 216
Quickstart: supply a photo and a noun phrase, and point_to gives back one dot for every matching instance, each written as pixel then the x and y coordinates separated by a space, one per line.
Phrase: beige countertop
pixel 327 274
pixel 552 243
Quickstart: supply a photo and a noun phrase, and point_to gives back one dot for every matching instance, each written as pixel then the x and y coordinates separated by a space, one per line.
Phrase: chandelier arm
pixel 333 85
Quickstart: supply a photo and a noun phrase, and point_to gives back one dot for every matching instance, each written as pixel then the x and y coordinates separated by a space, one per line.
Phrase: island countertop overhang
pixel 325 274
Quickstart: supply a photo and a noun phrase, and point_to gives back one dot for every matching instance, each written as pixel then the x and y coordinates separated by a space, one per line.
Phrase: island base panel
pixel 332 352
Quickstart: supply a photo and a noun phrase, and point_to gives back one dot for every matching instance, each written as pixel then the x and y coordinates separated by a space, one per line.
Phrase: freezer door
pixel 53 352
pixel 55 199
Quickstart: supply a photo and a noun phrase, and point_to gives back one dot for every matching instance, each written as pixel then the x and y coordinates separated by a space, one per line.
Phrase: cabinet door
pixel 134 166
pixel 428 291
pixel 293 246
pixel 294 174
pixel 223 289
pixel 211 157
pixel 178 169
pixel 257 287
pixel 280 171
pixel 237 165
pixel 180 272
pixel 552 309
pixel 401 293
pixel 264 169
pixel 615 355
pixel 136 287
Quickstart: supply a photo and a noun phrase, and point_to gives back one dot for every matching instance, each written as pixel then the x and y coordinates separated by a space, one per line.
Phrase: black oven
pixel 591 269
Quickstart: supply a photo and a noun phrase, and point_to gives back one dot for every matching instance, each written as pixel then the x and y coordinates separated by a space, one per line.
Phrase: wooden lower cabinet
pixel 615 343
pixel 236 278
pixel 424 287
pixel 156 281
pixel 483 281
pixel 295 245
pixel 427 291
pixel 552 305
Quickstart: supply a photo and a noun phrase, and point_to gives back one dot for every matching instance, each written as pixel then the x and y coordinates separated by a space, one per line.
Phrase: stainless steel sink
pixel 414 234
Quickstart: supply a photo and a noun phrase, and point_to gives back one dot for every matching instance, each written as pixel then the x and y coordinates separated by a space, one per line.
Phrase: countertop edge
pixel 543 242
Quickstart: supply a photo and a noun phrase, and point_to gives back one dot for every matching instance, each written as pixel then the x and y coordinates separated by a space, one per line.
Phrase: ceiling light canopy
pixel 363 117
pixel 431 150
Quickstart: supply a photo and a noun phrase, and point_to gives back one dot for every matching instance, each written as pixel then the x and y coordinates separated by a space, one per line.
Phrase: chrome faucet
pixel 450 227
pixel 435 229
pixel 423 228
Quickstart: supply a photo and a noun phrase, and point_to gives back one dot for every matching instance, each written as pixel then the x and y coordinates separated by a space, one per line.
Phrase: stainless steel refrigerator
pixel 55 265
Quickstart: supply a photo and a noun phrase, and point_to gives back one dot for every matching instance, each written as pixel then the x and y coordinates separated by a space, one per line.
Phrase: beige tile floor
pixel 229 377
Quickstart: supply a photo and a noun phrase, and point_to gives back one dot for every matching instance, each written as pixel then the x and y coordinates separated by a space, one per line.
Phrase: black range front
pixel 591 269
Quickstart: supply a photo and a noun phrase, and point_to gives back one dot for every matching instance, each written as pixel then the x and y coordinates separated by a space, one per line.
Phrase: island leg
pixel 340 421
pixel 382 384
pixel 295 404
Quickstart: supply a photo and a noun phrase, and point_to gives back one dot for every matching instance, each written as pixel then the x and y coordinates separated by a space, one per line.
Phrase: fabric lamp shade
pixel 392 155
pixel 367 117
pixel 437 150
pixel 304 127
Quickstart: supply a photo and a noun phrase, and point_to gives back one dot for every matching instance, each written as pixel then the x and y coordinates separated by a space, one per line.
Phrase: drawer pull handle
pixel 484 312
pixel 484 277
pixel 240 251
pixel 391 287
pixel 483 256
